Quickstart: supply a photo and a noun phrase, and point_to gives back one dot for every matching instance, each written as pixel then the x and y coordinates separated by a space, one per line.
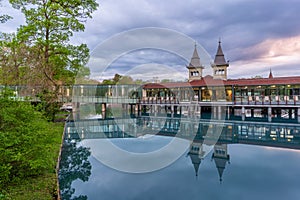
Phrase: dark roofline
pixel 209 81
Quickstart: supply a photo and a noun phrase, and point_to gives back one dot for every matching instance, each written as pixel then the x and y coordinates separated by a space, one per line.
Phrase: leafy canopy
pixel 49 27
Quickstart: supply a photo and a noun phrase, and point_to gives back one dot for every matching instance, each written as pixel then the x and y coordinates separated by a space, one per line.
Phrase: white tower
pixel 195 68
pixel 220 65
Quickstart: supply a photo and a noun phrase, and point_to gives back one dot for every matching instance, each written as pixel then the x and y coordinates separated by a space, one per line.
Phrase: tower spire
pixel 220 65
pixel 219 58
pixel 196 154
pixel 220 157
pixel 195 61
pixel 195 68
pixel 270 74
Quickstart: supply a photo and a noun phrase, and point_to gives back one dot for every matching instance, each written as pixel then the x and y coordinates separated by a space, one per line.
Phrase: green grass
pixel 43 186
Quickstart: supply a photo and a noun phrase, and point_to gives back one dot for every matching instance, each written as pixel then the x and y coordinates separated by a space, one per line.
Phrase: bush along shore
pixel 29 150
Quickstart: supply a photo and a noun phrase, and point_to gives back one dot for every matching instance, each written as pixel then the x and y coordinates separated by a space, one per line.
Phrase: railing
pixel 175 100
pixel 24 93
pixel 238 100
pixel 267 100
pixel 159 100
pixel 108 99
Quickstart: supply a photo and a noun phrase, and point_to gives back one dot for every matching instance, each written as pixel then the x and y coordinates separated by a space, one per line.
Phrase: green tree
pixel 15 61
pixel 108 82
pixel 165 81
pixel 117 78
pixel 126 80
pixel 49 26
pixel 139 82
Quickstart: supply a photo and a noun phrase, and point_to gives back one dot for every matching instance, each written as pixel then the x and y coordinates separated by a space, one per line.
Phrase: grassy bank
pixel 29 148
pixel 42 186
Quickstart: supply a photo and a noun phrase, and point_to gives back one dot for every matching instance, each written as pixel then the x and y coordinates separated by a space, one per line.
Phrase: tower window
pixel 220 72
pixel 194 73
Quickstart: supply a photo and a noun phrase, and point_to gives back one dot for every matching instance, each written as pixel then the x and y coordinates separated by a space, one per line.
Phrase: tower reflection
pixel 196 154
pixel 232 132
pixel 221 158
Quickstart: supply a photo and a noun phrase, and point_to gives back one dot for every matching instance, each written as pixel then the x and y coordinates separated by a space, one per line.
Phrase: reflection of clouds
pixel 269 174
pixel 253 174
pixel 128 160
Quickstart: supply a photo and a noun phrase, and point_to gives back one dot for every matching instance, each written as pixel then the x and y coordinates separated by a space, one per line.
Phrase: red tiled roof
pixel 209 81
pixel 265 81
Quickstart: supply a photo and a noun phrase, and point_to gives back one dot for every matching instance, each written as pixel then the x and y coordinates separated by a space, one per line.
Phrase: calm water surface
pixel 228 171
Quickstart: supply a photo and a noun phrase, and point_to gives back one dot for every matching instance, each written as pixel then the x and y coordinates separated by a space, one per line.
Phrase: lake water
pixel 247 161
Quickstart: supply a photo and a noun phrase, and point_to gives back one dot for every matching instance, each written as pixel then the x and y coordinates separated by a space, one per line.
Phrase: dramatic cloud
pixel 249 29
pixel 139 47
pixel 280 55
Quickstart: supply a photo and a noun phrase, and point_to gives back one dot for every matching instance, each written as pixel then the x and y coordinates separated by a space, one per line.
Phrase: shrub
pixel 25 142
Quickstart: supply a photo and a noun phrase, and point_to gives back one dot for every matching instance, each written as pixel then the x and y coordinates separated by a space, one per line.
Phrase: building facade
pixel 211 96
pixel 247 97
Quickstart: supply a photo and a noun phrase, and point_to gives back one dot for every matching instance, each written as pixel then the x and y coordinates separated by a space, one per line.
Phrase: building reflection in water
pixel 221 158
pixel 232 132
pixel 196 153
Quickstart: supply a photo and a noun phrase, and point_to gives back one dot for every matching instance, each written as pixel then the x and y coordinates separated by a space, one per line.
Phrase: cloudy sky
pixel 256 35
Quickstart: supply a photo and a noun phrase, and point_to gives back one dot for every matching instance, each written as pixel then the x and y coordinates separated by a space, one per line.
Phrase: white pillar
pixel 219 112
pixel 155 110
pixel 103 109
pixel 243 113
pixel 122 90
pixel 228 112
pixel 214 112
pixel 270 114
pixel 144 93
pixel 81 90
pixel 82 133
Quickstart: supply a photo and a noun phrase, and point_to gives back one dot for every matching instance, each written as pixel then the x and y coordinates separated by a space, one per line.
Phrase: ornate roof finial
pixel 270 74
pixel 219 58
pixel 195 60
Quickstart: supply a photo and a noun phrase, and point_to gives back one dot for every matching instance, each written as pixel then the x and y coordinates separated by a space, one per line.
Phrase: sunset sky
pixel 256 35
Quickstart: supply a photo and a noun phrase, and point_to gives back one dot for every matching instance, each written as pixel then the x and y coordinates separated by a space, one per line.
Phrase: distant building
pixel 269 96
pixel 269 99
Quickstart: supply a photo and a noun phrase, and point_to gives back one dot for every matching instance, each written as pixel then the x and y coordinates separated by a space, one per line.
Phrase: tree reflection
pixel 74 165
